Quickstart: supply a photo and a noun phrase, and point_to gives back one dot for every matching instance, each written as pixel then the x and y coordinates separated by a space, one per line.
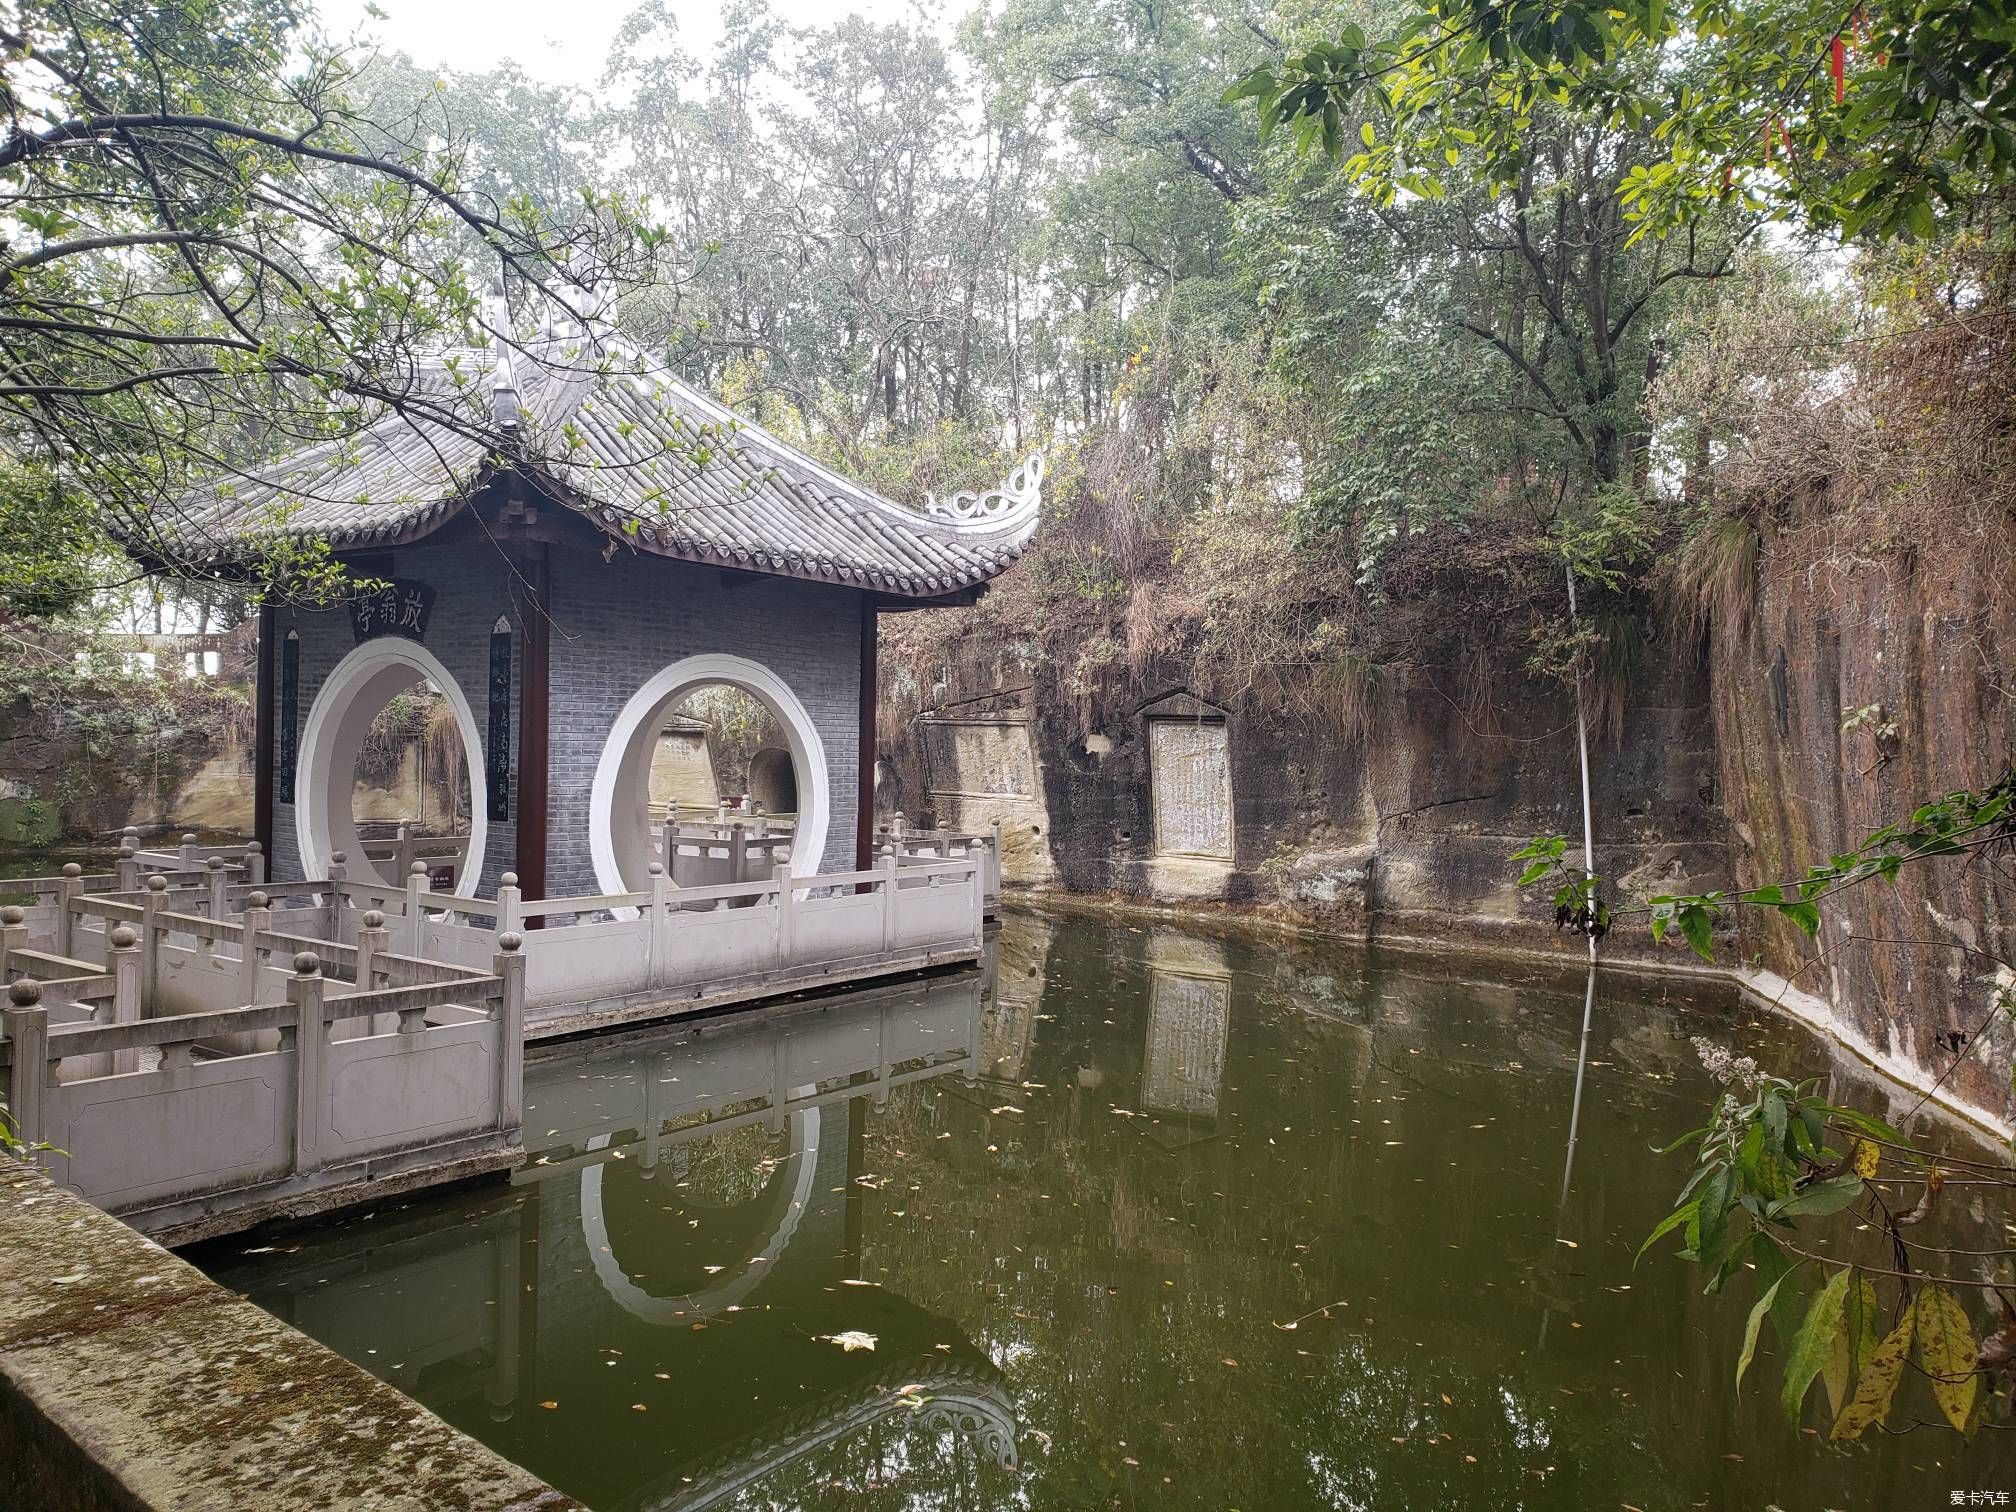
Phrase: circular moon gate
pixel 619 805
pixel 344 708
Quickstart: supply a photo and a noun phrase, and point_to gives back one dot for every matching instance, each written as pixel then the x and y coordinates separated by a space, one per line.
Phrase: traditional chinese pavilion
pixel 567 592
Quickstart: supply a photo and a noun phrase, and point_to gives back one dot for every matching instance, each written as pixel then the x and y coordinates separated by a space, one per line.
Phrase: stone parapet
pixel 128 1379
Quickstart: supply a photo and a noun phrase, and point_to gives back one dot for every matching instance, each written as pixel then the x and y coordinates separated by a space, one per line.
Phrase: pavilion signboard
pixel 398 607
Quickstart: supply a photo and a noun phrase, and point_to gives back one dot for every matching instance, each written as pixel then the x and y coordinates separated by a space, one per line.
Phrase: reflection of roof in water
pixel 968 1396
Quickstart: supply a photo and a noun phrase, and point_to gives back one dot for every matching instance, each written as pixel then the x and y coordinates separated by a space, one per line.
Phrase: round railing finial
pixel 157 883
pixel 256 900
pixel 510 940
pixel 373 919
pixel 11 915
pixel 72 870
pixel 123 937
pixel 25 993
pixel 417 869
pixel 509 879
pixel 307 963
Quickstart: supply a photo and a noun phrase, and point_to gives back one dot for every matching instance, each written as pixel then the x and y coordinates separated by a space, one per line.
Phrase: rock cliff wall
pixel 1922 642
pixel 1737 762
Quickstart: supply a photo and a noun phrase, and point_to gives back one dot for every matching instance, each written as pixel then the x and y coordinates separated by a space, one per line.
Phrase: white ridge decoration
pixel 1019 495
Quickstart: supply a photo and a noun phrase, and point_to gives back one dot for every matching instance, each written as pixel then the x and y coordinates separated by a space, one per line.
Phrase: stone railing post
pixel 255 864
pixel 332 902
pixel 68 887
pixel 128 867
pixel 122 955
pixel 669 841
pixel 738 852
pixel 509 964
pixel 887 887
pixel 308 992
pixel 258 919
pixel 782 876
pixel 13 935
pixel 28 1030
pixel 373 940
pixel 218 881
pixel 510 905
pixel 188 854
pixel 654 918
pixel 896 823
pixel 416 918
pixel 976 888
pixel 151 903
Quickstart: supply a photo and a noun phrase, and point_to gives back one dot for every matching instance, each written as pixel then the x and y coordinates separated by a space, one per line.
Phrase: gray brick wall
pixel 472 586
pixel 615 624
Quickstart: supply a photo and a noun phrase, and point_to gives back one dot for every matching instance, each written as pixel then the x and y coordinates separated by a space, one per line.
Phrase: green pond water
pixel 1075 1202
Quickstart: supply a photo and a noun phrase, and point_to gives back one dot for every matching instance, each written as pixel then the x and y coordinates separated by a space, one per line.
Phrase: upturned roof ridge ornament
pixel 1018 495
pixel 504 381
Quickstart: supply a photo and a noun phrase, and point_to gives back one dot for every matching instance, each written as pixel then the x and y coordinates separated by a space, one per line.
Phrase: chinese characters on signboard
pixel 290 712
pixel 397 608
pixel 497 755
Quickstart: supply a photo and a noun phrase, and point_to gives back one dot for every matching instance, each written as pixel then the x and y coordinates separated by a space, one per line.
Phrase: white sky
pixel 560 43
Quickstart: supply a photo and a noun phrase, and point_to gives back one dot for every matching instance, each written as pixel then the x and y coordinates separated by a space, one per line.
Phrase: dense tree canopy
pixel 211 256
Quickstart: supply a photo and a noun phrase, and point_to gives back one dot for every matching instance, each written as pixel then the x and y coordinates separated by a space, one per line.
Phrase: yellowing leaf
pixel 1866 1156
pixel 1853 1342
pixel 1809 1349
pixel 1946 1348
pixel 852 1340
pixel 1873 1392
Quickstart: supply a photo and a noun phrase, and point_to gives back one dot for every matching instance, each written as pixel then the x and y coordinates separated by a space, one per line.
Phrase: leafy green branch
pixel 1958 824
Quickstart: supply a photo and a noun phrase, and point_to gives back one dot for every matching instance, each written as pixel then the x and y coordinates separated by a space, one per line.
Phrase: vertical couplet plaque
pixel 497 760
pixel 290 709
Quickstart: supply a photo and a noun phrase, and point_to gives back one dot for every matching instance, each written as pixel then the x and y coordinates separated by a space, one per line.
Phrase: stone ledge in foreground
pixel 130 1380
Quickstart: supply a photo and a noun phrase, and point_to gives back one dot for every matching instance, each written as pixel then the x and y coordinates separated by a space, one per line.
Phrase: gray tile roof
pixel 620 448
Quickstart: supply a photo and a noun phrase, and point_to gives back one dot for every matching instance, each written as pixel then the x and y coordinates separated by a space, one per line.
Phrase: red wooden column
pixel 263 716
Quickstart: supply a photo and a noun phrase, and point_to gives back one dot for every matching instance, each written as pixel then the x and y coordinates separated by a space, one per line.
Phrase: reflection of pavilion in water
pixel 681 1239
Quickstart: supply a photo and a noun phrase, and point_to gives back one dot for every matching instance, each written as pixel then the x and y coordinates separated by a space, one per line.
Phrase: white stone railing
pixel 720 942
pixel 406 846
pixel 914 846
pixel 333 1084
pixel 214 944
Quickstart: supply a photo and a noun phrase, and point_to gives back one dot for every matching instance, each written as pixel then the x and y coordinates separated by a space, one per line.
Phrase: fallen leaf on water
pixel 1005 1108
pixel 637 1407
pixel 852 1340
pixel 1569 1242
pixel 1447 1400
pixel 549 1406
pixel 1233 1363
